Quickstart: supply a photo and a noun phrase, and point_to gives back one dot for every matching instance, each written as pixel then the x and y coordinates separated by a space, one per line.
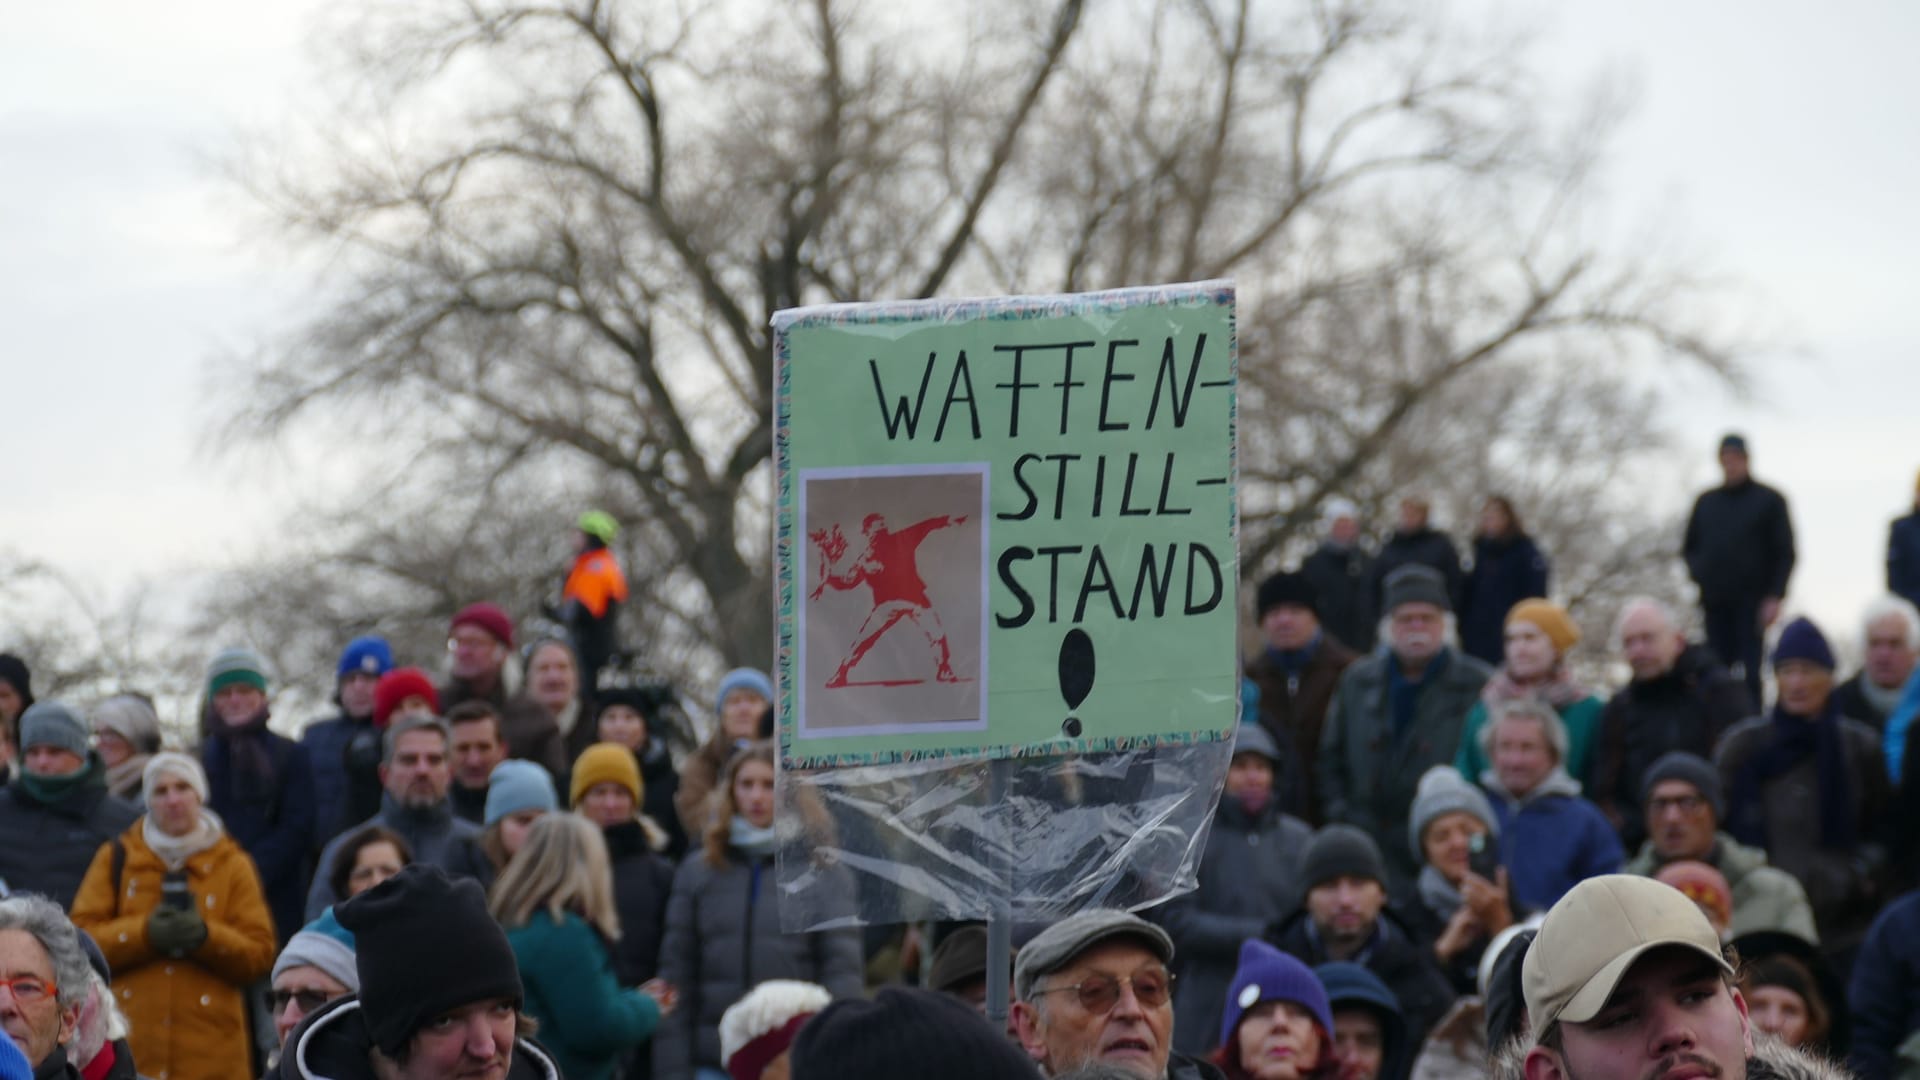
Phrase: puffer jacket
pixel 49 845
pixel 187 1016
pixel 1249 877
pixel 642 884
pixel 586 1019
pixel 1367 774
pixel 1764 897
pixel 1551 839
pixel 334 1044
pixel 723 939
pixel 334 779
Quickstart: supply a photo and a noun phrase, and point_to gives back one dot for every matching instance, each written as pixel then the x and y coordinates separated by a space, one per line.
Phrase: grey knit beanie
pixel 1442 791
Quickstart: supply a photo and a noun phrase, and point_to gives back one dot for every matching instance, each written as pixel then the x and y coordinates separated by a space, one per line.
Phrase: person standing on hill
pixel 1739 550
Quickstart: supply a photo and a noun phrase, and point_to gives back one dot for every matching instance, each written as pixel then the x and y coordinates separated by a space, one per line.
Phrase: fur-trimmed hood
pixel 1771 1060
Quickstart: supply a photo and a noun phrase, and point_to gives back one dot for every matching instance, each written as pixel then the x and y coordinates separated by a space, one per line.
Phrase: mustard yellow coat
pixel 188 1016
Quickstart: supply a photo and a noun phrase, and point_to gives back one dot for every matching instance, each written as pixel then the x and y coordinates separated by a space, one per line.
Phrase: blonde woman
pixel 556 901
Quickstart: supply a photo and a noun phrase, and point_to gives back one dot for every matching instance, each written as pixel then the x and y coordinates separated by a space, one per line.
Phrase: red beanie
pixel 487 617
pixel 397 686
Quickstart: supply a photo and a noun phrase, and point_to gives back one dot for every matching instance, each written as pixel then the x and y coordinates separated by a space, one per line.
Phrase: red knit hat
pixel 487 617
pixel 397 686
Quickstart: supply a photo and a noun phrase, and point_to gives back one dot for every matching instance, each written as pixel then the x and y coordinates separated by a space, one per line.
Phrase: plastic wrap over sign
pixel 1006 566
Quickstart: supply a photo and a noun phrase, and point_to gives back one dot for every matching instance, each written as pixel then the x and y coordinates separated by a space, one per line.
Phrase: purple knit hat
pixel 1267 974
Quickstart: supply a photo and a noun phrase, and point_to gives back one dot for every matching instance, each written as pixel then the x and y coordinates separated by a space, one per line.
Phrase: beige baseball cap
pixel 1595 933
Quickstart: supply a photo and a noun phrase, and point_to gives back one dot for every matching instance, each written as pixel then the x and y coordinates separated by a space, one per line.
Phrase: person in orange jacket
pixel 177 909
pixel 591 599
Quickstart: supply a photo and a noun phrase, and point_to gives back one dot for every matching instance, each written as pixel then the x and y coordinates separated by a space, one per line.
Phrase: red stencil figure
pixel 888 565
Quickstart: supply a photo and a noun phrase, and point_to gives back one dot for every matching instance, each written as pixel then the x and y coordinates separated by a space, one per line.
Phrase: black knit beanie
pixel 905 1032
pixel 1342 851
pixel 425 945
pixel 1286 588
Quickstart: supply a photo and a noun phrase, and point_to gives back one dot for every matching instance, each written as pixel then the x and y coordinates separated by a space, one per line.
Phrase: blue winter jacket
pixel 1551 839
pixel 1884 996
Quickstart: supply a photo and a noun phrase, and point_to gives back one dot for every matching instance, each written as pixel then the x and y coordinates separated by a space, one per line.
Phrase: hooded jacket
pixel 1764 897
pixel 1551 839
pixel 334 1044
pixel 1249 874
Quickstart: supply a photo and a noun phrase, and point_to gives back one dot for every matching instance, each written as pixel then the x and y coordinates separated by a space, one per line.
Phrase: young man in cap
pixel 1739 550
pixel 362 663
pixel 1683 811
pixel 1248 876
pixel 1095 987
pixel 439 993
pixel 479 641
pixel 416 775
pixel 1296 673
pixel 1627 979
pixel 58 812
pixel 1810 786
pixel 1345 917
pixel 1396 714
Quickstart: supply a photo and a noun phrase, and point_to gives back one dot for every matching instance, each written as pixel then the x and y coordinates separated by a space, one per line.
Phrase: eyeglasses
pixel 1686 804
pixel 29 989
pixel 310 1000
pixel 1100 993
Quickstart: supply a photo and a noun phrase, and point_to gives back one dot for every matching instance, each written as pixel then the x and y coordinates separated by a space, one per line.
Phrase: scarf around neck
pixel 1791 740
pixel 751 839
pixel 1440 895
pixel 248 749
pixel 174 851
pixel 1560 690
pixel 49 790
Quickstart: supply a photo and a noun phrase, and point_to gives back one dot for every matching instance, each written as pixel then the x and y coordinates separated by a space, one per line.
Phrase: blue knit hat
pixel 518 785
pixel 1267 974
pixel 1802 640
pixel 743 678
pixel 368 655
pixel 324 944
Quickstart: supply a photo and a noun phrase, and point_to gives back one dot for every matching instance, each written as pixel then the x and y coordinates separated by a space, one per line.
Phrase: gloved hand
pixel 173 931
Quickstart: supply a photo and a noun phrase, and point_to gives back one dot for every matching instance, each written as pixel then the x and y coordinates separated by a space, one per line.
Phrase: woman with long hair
pixel 178 911
pixel 555 900
pixel 1278 1024
pixel 723 924
pixel 1507 568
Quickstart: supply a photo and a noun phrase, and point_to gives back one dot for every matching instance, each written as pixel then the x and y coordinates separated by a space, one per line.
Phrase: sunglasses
pixel 309 1000
pixel 1100 993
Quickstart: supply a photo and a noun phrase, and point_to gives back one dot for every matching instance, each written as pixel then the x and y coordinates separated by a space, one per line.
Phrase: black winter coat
pixel 1739 544
pixel 1505 572
pixel 1405 965
pixel 1249 878
pixel 275 822
pixel 642 883
pixel 1343 585
pixel 1428 547
pixel 46 848
pixel 1884 996
pixel 1688 709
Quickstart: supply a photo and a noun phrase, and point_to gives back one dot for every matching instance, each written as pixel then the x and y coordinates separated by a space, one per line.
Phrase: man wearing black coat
pixel 1297 673
pixel 1345 917
pixel 1903 554
pixel 1416 541
pixel 1680 698
pixel 1342 575
pixel 1739 550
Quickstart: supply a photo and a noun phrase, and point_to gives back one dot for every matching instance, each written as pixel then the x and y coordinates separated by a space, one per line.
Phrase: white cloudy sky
pixel 1781 135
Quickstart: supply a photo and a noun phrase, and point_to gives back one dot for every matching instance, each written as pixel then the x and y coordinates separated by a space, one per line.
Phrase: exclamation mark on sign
pixel 1076 676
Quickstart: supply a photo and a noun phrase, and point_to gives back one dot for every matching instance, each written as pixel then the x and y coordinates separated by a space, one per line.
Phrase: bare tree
pixel 559 229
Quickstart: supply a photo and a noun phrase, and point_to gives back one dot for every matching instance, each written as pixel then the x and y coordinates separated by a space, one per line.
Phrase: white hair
pixel 1551 726
pixel 1450 634
pixel 1890 604
pixel 768 1008
pixel 1637 604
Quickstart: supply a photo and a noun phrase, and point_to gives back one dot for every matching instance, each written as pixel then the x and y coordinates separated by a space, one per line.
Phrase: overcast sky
pixel 1780 135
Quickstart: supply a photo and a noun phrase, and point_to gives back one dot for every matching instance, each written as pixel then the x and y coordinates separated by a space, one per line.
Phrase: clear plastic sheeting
pixel 1030 838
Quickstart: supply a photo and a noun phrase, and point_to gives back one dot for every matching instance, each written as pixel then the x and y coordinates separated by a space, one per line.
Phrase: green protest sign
pixel 1005 526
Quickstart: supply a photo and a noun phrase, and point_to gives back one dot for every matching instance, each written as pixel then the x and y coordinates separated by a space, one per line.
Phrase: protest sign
pixel 1006 526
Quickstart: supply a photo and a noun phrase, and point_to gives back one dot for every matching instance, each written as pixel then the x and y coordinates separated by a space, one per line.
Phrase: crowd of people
pixel 1438 853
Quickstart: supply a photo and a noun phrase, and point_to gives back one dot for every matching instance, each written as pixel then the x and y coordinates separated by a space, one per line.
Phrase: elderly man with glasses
pixel 1094 989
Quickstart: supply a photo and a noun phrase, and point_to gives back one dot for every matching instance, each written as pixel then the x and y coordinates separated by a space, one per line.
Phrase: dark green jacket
pixel 587 1021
